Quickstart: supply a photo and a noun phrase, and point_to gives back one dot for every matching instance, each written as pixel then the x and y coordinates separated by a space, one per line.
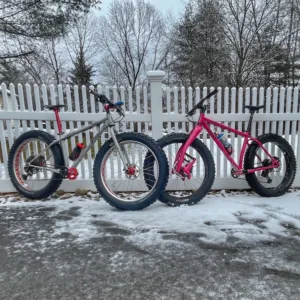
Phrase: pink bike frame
pixel 205 122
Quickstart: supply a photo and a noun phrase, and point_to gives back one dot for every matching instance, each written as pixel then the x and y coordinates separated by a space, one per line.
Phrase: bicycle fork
pixel 121 150
pixel 185 170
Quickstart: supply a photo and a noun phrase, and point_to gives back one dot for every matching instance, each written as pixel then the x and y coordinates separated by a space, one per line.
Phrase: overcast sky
pixel 176 6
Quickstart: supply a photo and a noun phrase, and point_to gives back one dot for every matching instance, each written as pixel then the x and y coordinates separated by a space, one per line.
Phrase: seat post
pixel 59 126
pixel 250 120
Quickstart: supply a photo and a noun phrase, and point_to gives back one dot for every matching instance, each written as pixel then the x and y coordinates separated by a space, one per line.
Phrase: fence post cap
pixel 155 75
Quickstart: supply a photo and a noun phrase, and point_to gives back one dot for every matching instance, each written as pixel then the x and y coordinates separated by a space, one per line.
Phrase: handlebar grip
pixel 102 98
pixel 212 93
pixel 207 97
pixel 192 111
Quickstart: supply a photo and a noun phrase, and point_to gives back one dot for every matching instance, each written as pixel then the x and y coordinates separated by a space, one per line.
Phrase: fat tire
pixel 210 168
pixel 161 181
pixel 249 161
pixel 56 180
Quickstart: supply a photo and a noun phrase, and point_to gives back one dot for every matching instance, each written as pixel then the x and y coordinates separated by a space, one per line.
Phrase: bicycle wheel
pixel 29 179
pixel 272 182
pixel 187 191
pixel 123 186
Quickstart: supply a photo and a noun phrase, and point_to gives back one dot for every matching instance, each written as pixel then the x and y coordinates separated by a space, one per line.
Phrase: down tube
pixel 220 145
pixel 181 152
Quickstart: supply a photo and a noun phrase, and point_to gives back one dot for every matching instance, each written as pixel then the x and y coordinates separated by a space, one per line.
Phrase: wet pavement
pixel 40 262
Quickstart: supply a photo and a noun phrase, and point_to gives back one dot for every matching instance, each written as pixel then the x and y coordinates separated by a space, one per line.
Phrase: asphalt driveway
pixel 38 264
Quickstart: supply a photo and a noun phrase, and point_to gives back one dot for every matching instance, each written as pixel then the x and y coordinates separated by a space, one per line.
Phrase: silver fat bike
pixel 38 163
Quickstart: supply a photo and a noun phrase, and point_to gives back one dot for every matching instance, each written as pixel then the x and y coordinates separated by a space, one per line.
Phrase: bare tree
pixel 46 64
pixel 37 20
pixel 82 38
pixel 56 59
pixel 263 38
pixel 110 72
pixel 133 36
pixel 244 19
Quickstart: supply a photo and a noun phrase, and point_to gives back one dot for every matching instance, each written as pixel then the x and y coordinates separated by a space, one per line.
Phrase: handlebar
pixel 199 105
pixel 104 100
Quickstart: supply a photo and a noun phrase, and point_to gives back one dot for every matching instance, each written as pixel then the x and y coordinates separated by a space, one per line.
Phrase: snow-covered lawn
pixel 221 217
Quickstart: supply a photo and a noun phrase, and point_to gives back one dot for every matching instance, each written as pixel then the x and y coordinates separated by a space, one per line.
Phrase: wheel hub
pixel 268 162
pixel 132 172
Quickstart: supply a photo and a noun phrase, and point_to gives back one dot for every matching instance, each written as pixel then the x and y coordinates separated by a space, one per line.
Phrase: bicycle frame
pixel 204 123
pixel 108 123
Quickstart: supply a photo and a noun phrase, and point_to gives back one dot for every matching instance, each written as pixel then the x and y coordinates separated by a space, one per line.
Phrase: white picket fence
pixel 156 111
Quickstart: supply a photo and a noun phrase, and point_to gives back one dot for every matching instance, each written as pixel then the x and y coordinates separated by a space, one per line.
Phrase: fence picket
pixel 233 124
pixel 294 123
pixel 71 123
pixel 176 106
pixel 261 102
pixel 240 125
pixel 288 110
pixel 168 91
pixel 100 105
pixel 78 126
pixel 182 96
pixel 197 100
pixel 4 149
pixel 37 101
pixel 3 144
pixel 8 122
pixel 111 164
pixel 94 130
pixel 281 110
pixel 219 95
pixel 14 108
pixel 189 107
pixel 204 133
pixel 268 109
pixel 115 96
pixel 37 104
pixel 87 133
pixel 101 109
pixel 254 102
pixel 212 145
pixel 226 104
pixel 138 105
pixel 274 109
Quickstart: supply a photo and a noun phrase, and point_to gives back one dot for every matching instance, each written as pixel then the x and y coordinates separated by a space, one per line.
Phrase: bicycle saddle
pixel 52 107
pixel 252 107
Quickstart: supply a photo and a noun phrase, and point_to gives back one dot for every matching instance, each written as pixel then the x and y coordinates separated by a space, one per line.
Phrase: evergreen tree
pixel 82 72
pixel 80 75
pixel 200 49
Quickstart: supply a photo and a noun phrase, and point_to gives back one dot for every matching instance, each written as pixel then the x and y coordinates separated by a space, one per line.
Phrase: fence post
pixel 155 80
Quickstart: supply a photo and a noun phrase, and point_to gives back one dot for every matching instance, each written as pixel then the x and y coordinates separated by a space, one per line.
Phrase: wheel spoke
pixel 131 186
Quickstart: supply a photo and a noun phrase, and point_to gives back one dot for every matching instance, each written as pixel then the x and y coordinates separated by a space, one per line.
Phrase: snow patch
pixel 237 217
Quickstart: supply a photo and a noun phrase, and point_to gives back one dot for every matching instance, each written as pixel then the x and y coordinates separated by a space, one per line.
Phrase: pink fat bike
pixel 267 162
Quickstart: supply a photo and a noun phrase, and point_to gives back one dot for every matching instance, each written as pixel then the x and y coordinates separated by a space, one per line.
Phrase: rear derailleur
pixel 34 167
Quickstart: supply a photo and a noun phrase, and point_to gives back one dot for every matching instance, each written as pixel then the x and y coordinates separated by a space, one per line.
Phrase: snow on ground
pixel 238 217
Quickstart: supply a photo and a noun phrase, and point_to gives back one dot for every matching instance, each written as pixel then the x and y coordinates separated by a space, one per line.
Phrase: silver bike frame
pixel 108 123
